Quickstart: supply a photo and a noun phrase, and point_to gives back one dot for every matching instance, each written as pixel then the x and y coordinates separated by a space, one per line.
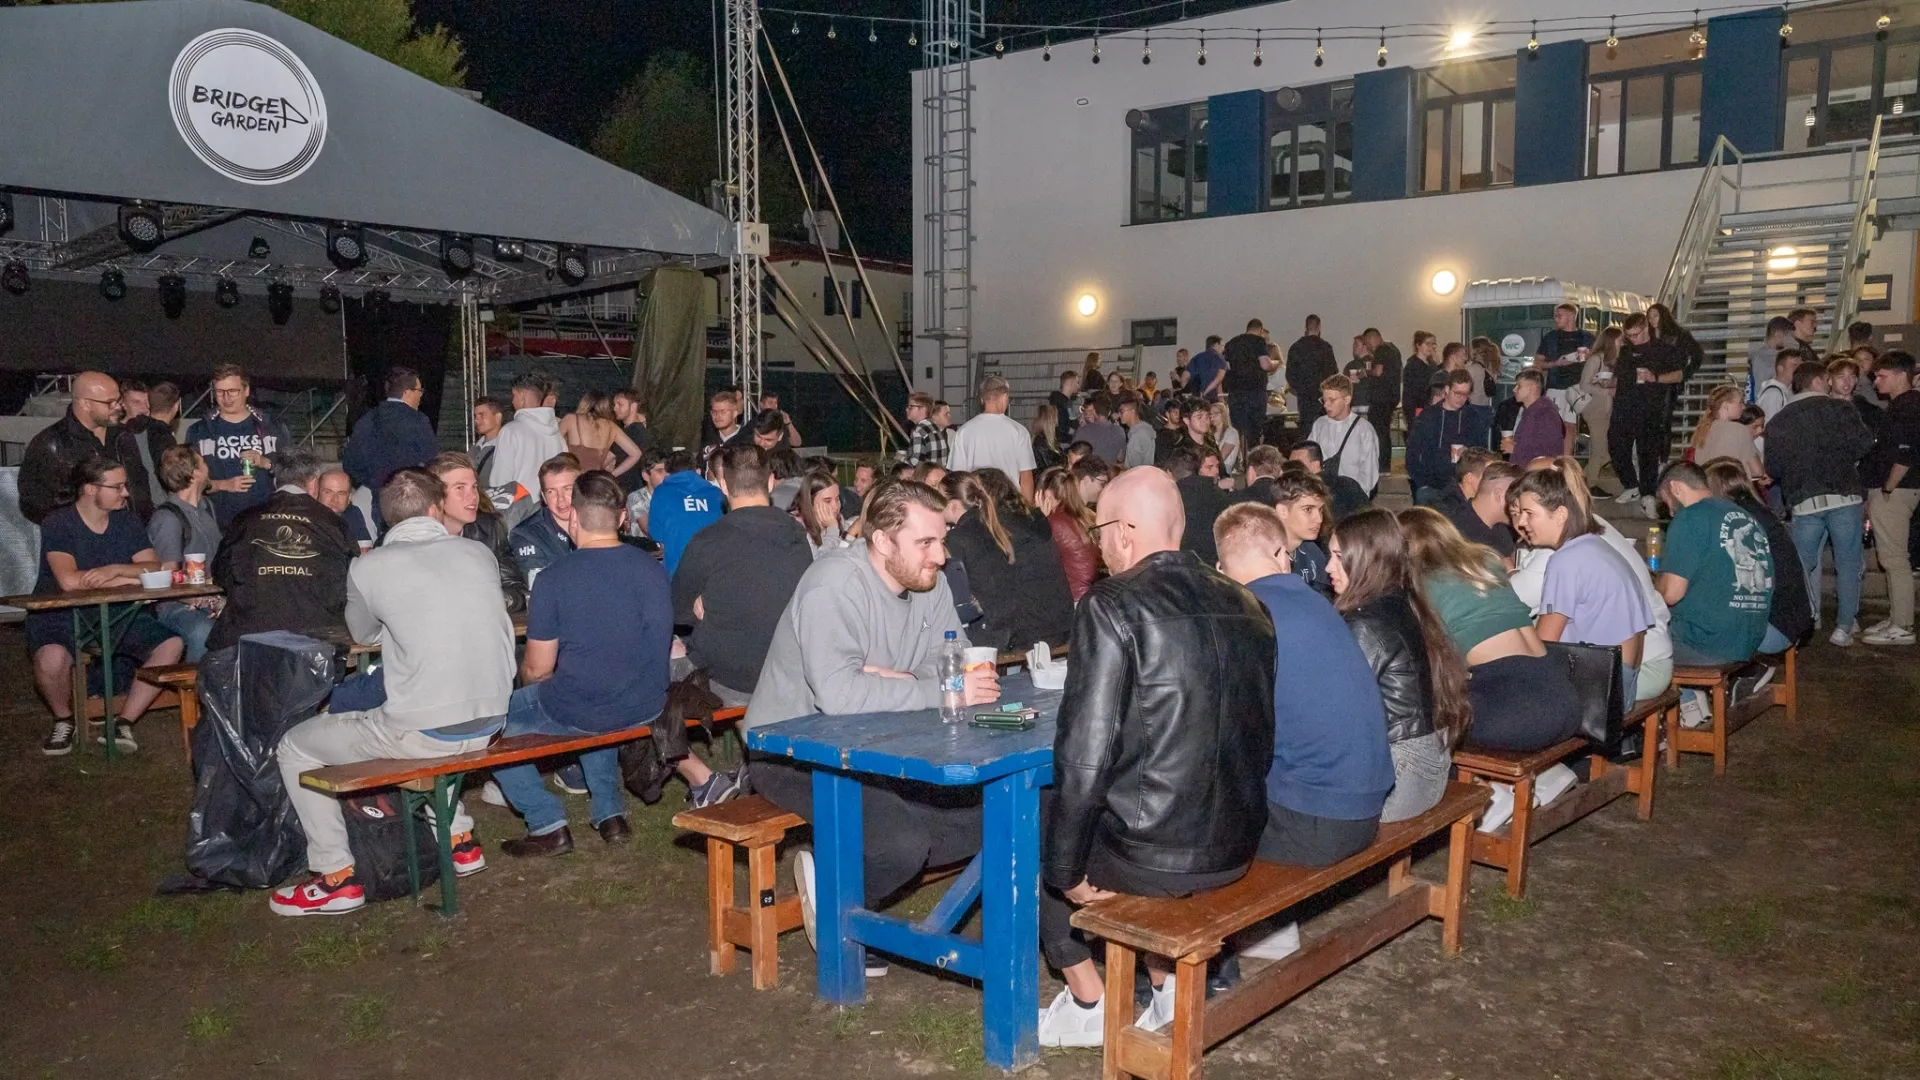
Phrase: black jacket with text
pixel 283 565
pixel 1165 732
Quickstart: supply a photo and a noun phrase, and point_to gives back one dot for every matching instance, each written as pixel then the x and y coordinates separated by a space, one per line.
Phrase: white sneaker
pixel 1892 635
pixel 1065 1023
pixel 1278 945
pixel 803 887
pixel 1552 784
pixel 1500 811
pixel 1883 624
pixel 1650 507
pixel 1842 637
pixel 1693 710
pixel 1159 1011
pixel 491 794
pixel 1627 496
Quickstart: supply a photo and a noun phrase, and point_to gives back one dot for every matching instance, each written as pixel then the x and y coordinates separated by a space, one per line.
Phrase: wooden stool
pixel 1728 716
pixel 183 680
pixel 758 825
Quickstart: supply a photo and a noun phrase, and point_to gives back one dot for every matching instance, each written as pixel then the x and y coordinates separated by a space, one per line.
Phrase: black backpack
pixel 377 835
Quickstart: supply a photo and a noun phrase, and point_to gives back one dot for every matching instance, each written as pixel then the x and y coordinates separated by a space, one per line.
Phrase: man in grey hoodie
pixel 432 600
pixel 862 634
pixel 524 444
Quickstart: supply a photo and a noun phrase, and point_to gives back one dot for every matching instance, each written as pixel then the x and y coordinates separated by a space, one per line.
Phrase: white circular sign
pixel 1513 345
pixel 247 106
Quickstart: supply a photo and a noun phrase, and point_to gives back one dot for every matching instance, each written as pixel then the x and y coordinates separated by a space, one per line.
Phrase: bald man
pixel 1162 745
pixel 91 426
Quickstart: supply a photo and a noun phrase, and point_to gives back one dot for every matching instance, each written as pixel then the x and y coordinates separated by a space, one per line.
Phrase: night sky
pixel 558 66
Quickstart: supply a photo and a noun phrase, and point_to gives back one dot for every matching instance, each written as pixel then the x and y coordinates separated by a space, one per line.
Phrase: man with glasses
pixel 94 543
pixel 90 427
pixel 238 441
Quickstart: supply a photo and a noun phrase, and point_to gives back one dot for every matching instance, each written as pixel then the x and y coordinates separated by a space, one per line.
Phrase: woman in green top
pixel 1522 699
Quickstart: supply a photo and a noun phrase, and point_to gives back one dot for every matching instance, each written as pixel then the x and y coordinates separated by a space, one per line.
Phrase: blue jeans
pixel 1775 642
pixel 192 624
pixel 521 783
pixel 1845 527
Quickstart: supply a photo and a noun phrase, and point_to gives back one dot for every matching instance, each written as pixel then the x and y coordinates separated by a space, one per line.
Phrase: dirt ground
pixel 1762 926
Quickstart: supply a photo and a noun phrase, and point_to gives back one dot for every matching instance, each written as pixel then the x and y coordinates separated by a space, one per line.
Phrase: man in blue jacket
pixel 683 504
pixel 393 435
pixel 542 539
pixel 1435 440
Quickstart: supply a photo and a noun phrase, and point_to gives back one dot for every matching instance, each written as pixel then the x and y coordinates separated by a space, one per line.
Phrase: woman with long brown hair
pixel 1012 568
pixel 1597 380
pixel 591 435
pixel 1072 522
pixel 817 505
pixel 1045 430
pixel 1423 682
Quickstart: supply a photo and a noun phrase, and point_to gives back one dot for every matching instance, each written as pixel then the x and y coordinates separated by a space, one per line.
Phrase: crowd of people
pixel 1263 663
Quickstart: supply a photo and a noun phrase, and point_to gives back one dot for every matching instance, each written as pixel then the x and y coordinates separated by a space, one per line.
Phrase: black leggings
pixel 1637 439
pixel 1521 703
pixel 907 827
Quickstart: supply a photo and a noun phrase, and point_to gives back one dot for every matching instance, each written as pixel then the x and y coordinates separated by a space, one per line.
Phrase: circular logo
pixel 247 106
pixel 1513 345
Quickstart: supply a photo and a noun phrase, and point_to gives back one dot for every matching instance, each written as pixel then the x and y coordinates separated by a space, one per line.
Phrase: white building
pixel 1222 200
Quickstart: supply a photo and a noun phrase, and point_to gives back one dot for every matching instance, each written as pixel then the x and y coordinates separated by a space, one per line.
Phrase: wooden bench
pixel 1507 846
pixel 435 782
pixel 1193 929
pixel 757 825
pixel 181 682
pixel 1717 682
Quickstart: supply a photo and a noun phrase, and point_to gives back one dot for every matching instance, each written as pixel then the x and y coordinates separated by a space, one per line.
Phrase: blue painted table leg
pixel 1010 920
pixel 839 886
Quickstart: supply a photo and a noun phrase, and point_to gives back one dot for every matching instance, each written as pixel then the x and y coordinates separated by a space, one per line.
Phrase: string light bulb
pixel 1319 50
pixel 832 32
pixel 1046 51
pixel 873 34
pixel 1786 24
pixel 1613 39
pixel 913 37
pixel 1096 48
pixel 1696 39
pixel 1256 48
pixel 796 28
pixel 1382 61
pixel 1146 49
pixel 1533 38
pixel 999 47
pixel 1202 58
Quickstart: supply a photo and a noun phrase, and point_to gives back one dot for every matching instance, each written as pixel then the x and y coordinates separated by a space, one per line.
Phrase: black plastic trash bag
pixel 243 832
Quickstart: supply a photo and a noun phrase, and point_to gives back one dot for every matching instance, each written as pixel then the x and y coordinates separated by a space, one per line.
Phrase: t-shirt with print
pixel 682 505
pixel 1590 583
pixel 220 441
pixel 611 610
pixel 1557 343
pixel 1723 553
pixel 66 531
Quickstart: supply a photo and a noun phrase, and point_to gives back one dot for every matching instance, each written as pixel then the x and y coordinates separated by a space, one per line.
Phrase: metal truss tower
pixel 953 31
pixel 745 273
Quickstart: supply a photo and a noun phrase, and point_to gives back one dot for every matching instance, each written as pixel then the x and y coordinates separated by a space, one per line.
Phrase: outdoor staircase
pixel 1736 268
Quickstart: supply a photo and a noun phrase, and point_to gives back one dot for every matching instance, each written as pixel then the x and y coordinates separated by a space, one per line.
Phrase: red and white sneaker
pixel 321 894
pixel 468 859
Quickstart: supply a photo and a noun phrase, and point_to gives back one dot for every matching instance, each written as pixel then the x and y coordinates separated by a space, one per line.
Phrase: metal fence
pixel 1034 373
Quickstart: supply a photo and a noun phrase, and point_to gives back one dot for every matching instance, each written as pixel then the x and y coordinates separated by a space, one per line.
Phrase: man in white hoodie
pixel 432 600
pixel 527 441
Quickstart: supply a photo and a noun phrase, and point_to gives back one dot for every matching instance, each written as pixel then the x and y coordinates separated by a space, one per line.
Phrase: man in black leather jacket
pixel 464 512
pixel 1163 743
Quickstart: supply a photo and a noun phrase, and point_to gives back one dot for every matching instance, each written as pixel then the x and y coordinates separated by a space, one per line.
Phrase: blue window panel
pixel 1236 132
pixel 1384 136
pixel 1740 84
pixel 1550 114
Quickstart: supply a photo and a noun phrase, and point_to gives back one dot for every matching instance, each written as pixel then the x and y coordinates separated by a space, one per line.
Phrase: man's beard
pixel 899 570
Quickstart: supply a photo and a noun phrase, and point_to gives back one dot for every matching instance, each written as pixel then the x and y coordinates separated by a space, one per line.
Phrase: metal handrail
pixel 1854 264
pixel 1696 238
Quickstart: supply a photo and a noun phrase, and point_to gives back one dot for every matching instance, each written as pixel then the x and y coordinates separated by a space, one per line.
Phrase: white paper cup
pixel 365 546
pixel 156 579
pixel 195 564
pixel 981 656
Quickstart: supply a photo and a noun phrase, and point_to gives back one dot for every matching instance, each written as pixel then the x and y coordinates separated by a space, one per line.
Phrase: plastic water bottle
pixel 953 679
pixel 1654 547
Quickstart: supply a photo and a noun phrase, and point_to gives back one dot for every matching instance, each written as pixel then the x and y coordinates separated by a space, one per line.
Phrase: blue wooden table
pixel 1011 767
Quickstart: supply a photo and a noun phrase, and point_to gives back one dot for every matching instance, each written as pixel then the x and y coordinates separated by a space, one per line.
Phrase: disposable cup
pixel 981 656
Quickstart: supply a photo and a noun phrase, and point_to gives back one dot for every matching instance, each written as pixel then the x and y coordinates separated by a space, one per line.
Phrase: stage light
pixel 280 302
pixel 140 228
pixel 259 249
pixel 113 284
pixel 1444 282
pixel 173 295
pixel 6 213
pixel 509 250
pixel 347 246
pixel 13 278
pixel 570 263
pixel 456 255
pixel 1087 305
pixel 227 293
pixel 1461 39
pixel 330 299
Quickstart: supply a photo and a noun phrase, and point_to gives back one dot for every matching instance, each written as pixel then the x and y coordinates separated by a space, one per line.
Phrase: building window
pixel 1839 76
pixel 1169 163
pixel 856 298
pixel 1309 145
pixel 829 296
pixel 1468 126
pixel 1153 332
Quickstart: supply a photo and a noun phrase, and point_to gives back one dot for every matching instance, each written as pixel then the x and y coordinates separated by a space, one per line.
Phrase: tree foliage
pixel 662 127
pixel 384 28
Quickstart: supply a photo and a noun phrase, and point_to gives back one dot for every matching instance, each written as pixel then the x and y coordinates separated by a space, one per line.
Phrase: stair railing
pixel 1853 266
pixel 1696 236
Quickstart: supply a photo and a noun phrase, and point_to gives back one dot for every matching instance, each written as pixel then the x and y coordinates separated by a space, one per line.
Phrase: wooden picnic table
pixel 362 652
pixel 104 633
pixel 1011 767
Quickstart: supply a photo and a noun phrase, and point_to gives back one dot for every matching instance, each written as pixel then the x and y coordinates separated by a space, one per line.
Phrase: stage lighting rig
pixel 280 302
pixel 14 279
pixel 330 299
pixel 570 263
pixel 456 255
pixel 347 246
pixel 173 294
pixel 227 293
pixel 140 227
pixel 113 284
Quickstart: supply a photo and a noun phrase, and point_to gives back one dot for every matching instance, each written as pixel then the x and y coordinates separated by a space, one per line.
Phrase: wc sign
pixel 247 106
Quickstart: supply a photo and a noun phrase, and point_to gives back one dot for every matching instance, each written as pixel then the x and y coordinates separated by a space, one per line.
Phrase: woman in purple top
pixel 1590 595
pixel 1539 432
